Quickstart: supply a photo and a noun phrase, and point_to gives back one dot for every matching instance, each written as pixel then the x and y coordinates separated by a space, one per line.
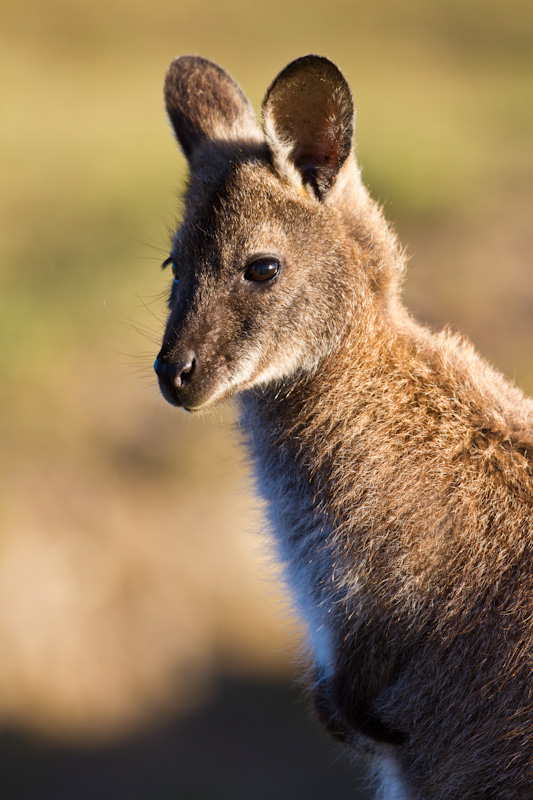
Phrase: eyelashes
pixel 170 261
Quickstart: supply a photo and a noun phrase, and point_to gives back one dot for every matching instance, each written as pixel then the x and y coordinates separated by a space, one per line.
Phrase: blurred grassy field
pixel 130 565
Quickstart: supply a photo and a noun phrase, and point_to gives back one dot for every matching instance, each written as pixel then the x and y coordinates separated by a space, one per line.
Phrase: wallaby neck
pixel 371 358
pixel 353 433
pixel 313 417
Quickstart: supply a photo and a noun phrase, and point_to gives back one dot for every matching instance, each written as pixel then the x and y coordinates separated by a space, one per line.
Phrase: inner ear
pixel 204 102
pixel 308 119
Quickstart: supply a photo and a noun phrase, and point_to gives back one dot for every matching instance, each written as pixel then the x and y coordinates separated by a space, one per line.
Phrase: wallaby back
pixel 396 463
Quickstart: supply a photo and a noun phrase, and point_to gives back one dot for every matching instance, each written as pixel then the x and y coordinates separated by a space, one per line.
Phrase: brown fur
pixel 398 464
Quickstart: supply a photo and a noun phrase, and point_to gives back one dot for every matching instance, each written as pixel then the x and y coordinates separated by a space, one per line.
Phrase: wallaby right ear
pixel 308 119
pixel 204 102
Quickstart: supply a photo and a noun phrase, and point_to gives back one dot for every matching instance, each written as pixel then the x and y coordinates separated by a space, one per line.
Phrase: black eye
pixel 262 269
pixel 170 261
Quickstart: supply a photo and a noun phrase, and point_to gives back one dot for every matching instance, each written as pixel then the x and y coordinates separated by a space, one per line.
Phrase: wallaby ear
pixel 308 120
pixel 204 102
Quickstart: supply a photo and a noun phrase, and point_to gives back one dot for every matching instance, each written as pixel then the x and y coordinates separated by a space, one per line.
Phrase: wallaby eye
pixel 171 261
pixel 262 269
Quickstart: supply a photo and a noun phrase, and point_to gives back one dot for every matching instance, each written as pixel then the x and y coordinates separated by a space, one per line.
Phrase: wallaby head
pixel 268 261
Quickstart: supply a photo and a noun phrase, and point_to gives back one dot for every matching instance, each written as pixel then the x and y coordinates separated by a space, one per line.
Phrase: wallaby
pixel 397 465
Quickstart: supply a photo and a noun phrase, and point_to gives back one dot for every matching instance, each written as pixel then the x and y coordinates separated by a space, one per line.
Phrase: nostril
pixel 178 373
pixel 185 371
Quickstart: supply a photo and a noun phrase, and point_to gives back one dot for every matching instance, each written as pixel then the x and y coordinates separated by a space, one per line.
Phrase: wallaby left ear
pixel 308 120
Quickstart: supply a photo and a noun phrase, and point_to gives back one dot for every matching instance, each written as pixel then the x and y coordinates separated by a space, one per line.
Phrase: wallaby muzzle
pixel 175 378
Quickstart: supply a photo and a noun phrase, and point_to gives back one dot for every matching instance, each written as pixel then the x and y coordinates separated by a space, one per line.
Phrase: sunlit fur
pixel 396 463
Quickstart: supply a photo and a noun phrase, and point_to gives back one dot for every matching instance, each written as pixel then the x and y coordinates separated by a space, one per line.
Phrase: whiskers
pixel 144 315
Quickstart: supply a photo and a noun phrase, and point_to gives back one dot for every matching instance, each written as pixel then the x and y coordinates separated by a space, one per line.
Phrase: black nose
pixel 177 374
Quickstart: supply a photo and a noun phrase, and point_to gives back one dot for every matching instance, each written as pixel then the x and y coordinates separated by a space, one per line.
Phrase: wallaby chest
pixel 301 528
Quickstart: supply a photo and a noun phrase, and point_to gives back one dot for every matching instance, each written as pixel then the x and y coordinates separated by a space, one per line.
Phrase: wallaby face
pixel 397 466
pixel 250 303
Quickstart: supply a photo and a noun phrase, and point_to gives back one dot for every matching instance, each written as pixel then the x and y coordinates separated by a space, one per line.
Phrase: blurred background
pixel 145 646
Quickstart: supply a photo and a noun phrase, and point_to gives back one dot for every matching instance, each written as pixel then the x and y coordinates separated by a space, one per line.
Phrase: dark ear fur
pixel 204 102
pixel 308 119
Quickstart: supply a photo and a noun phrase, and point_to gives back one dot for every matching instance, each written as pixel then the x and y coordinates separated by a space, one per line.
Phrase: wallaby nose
pixel 177 374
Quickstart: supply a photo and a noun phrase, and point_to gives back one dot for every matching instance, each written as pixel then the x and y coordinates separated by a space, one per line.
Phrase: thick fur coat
pixel 397 464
